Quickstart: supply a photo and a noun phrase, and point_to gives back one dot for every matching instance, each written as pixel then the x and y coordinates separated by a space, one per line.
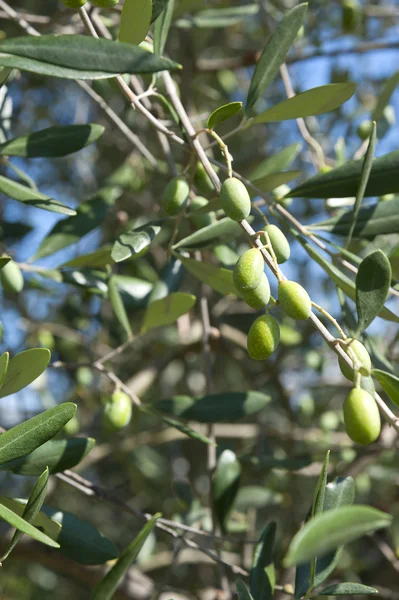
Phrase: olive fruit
pixel 11 278
pixel 361 417
pixel 235 199
pixel 350 16
pixel 203 219
pixel 294 300
pixel 263 337
pixel 279 243
pixel 362 356
pixel 104 3
pixel 364 130
pixel 72 427
pixel 117 411
pixel 248 270
pixel 202 181
pixel 260 296
pixel 175 196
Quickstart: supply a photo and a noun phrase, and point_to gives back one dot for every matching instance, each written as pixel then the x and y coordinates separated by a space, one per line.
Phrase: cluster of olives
pixel 117 411
pixel 99 3
pixel 251 281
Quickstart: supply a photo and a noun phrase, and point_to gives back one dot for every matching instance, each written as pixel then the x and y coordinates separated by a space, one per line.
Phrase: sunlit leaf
pixel 223 113
pixel 167 310
pixel 373 280
pixel 135 21
pixel 24 368
pixel 24 194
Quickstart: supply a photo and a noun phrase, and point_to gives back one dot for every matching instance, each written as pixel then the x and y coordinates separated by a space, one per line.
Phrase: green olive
pixel 117 412
pixel 263 337
pixel 74 3
pixel 235 199
pixel 260 296
pixel 202 181
pixel 72 427
pixel 294 300
pixel 361 417
pixel 11 278
pixel 279 243
pixel 362 356
pixel 175 196
pixel 204 219
pixel 350 16
pixel 104 3
pixel 248 270
pixel 364 130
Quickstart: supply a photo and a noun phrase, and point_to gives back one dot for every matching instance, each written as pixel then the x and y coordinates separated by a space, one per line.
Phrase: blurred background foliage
pixel 151 467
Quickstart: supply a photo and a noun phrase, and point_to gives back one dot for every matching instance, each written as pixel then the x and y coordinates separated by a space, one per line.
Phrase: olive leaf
pixel 167 310
pixel 274 53
pixel 118 307
pixel 162 25
pixel 389 383
pixel 22 525
pixel 223 113
pixel 225 484
pixel 31 197
pixel 218 278
pixel 262 576
pixel 347 589
pixel 133 243
pixel 243 592
pixel 373 280
pixel 23 368
pixel 135 21
pixel 276 163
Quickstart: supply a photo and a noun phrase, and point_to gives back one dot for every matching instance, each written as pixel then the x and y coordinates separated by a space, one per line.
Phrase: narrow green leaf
pixel 343 182
pixel 225 484
pixel 274 53
pixel 162 26
pixel 347 589
pixel 118 306
pixel 42 521
pixel 394 260
pixel 341 280
pixel 134 243
pixel 223 113
pixel 272 181
pixel 107 586
pixel 167 310
pixel 218 278
pixel 364 177
pixel 58 455
pixel 53 141
pixel 22 525
pixel 385 96
pixel 31 510
pixel 215 408
pixel 276 163
pixel 262 575
pixel 135 21
pixel 79 57
pixel 218 17
pixel 79 540
pixel 380 218
pixel 242 591
pixel 315 101
pixel 373 280
pixel 94 260
pixel 334 528
pixel 320 490
pixel 88 216
pixel 188 431
pixel 4 360
pixel 24 368
pixel 24 194
pixel 223 227
pixel 29 435
pixel 4 260
pixel 389 383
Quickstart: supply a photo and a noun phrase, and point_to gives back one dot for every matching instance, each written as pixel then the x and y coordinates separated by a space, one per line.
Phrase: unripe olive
pixel 279 243
pixel 260 296
pixel 202 181
pixel 204 219
pixel 294 300
pixel 364 130
pixel 263 337
pixel 361 417
pixel 175 196
pixel 362 356
pixel 11 278
pixel 74 3
pixel 104 3
pixel 72 427
pixel 280 194
pixel 117 412
pixel 235 199
pixel 248 270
